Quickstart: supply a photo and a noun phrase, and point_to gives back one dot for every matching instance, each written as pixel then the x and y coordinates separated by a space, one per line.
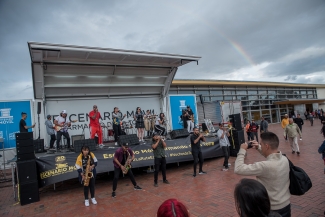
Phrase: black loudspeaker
pixel 28 192
pixel 24 136
pixel 201 99
pixel 86 142
pixel 77 137
pixel 21 150
pixel 38 145
pixel 236 121
pixel 236 139
pixel 179 133
pixel 24 157
pixel 39 107
pixel 27 171
pixel 24 143
pixel 204 127
pixel 131 139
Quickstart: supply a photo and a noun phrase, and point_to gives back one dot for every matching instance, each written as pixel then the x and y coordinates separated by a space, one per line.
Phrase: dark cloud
pixel 230 36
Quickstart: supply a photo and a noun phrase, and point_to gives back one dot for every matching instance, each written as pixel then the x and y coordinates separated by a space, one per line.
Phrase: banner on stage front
pixel 179 103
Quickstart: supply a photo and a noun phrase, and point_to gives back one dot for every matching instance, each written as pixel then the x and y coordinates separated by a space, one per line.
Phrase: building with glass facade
pixel 269 99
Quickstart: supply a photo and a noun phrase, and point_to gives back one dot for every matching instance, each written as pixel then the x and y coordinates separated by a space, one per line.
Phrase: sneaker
pixel 293 152
pixel 194 174
pixel 113 194
pixel 201 173
pixel 115 143
pixel 166 182
pixel 137 187
pixel 86 202
pixel 224 169
pixel 156 185
pixel 298 153
pixel 93 200
pixel 229 164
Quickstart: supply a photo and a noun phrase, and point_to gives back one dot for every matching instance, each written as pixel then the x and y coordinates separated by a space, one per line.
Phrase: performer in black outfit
pixel 22 124
pixel 139 124
pixel 159 126
pixel 196 150
pixel 117 118
pixel 299 122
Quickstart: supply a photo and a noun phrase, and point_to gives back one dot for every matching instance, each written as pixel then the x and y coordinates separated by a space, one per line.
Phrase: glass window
pixel 173 92
pixel 216 98
pixel 228 98
pixel 271 92
pixel 252 92
pixel 283 106
pixel 281 96
pixel 245 116
pixel 252 97
pixel 262 92
pixel 271 96
pixel 310 92
pixel 274 115
pixel 256 115
pixel 242 97
pixel 289 91
pixel 229 92
pixel 303 96
pixel 303 92
pixel 251 87
pixel 186 92
pixel 241 92
pixel 267 102
pixel 216 92
pixel 245 108
pixel 290 96
pixel 255 107
pixel 203 92
pixel 283 112
pixel 266 115
pixel 229 87
pixel 265 106
pixel 310 96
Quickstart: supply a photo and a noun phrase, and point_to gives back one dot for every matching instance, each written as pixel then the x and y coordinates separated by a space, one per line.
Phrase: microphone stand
pixel 39 128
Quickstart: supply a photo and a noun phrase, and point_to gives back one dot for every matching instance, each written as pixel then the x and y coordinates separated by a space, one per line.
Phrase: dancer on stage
pixel 159 126
pixel 158 146
pixel 95 127
pixel 86 166
pixel 139 123
pixel 122 163
pixel 196 150
pixel 22 124
pixel 117 118
pixel 61 125
pixel 147 122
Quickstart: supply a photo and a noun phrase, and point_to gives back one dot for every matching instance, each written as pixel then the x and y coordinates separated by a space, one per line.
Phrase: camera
pixel 250 145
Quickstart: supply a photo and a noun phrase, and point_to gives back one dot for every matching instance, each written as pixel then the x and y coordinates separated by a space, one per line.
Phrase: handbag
pixel 300 182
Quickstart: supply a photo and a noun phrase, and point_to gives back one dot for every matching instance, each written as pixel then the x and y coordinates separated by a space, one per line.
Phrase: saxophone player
pixel 86 157
pixel 117 118
pixel 122 159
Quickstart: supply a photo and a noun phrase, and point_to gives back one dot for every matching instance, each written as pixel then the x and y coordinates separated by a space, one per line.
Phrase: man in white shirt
pixel 62 123
pixel 223 135
pixel 272 173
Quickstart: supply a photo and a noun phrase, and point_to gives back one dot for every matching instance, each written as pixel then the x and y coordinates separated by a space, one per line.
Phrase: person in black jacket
pixel 299 122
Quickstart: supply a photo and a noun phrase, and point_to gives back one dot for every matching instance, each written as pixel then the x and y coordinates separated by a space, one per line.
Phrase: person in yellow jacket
pixel 81 164
pixel 284 123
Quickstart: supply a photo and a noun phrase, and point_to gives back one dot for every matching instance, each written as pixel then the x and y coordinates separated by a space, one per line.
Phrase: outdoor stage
pixel 53 168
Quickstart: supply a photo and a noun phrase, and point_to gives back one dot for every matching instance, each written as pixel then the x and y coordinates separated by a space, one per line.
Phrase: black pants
pixel 117 131
pixel 90 187
pixel 158 162
pixel 285 211
pixel 52 140
pixel 249 136
pixel 117 172
pixel 300 127
pixel 160 130
pixel 254 134
pixel 226 152
pixel 59 134
pixel 197 157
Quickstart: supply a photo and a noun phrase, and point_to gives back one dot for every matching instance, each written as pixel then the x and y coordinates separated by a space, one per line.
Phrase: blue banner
pixel 10 115
pixel 178 103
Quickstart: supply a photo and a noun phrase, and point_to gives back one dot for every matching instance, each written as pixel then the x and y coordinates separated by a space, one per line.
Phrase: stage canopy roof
pixel 299 101
pixel 66 71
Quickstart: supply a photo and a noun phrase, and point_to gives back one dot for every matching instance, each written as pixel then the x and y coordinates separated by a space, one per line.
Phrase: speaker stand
pixel 39 127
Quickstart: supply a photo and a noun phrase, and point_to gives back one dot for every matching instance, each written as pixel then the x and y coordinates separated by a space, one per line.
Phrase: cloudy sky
pixel 253 40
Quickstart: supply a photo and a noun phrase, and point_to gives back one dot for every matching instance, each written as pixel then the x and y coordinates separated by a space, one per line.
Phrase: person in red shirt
pixel 95 127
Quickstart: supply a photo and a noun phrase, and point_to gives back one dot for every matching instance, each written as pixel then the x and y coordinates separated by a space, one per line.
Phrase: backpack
pixel 300 182
pixel 321 149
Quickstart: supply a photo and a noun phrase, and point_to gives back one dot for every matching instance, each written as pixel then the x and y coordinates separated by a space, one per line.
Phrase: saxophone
pixel 88 173
pixel 127 164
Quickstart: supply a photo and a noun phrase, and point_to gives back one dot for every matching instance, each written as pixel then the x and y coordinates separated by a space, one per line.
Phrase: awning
pixel 67 71
pixel 299 101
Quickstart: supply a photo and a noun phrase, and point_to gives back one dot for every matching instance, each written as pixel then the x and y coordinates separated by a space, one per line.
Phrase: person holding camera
pixel 158 146
pixel 273 173
pixel 223 135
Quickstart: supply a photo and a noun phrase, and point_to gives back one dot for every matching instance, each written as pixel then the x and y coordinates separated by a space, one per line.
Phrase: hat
pixel 64 111
pixel 48 116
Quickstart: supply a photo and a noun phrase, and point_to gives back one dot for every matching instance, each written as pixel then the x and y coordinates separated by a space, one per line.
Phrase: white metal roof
pixel 66 71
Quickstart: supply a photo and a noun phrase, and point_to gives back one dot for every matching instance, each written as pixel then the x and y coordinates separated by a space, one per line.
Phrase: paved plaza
pixel 204 195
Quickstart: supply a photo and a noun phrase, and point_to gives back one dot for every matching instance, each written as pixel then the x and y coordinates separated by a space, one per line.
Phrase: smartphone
pixel 250 145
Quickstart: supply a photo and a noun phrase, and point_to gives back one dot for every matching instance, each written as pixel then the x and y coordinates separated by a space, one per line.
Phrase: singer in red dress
pixel 95 127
